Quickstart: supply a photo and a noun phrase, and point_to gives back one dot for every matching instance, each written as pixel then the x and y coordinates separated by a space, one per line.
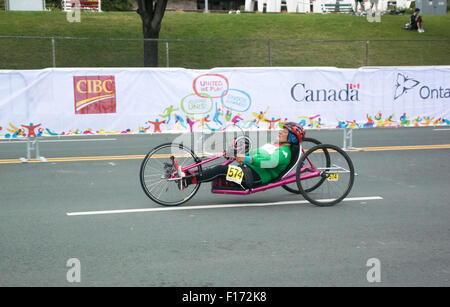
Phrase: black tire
pixel 337 165
pixel 307 144
pixel 160 170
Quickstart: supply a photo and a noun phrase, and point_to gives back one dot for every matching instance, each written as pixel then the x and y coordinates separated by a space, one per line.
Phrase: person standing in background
pixel 361 4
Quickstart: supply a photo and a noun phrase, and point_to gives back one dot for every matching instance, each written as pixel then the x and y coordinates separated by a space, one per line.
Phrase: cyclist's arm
pixel 266 160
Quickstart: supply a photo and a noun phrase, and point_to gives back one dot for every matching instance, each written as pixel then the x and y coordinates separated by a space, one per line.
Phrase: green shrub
pixel 53 4
pixel 2 4
pixel 116 5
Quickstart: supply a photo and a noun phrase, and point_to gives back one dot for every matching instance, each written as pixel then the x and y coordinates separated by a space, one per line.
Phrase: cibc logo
pixel 94 94
pixel 300 92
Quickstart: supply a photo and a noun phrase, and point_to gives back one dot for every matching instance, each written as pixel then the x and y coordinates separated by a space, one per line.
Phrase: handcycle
pixel 322 173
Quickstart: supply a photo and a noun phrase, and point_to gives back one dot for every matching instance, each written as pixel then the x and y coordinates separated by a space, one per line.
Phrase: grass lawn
pixel 243 40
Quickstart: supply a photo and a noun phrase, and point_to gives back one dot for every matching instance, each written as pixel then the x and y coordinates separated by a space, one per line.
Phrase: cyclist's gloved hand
pixel 240 158
pixel 229 152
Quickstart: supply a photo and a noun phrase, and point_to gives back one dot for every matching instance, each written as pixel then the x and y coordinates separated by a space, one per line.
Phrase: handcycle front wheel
pixel 158 174
pixel 335 174
pixel 306 144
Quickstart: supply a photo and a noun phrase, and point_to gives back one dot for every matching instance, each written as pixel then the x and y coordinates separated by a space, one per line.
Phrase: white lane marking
pixel 54 141
pixel 219 206
pixel 445 129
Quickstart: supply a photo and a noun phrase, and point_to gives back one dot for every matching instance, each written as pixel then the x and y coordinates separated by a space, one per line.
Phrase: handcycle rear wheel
pixel 307 144
pixel 158 174
pixel 336 175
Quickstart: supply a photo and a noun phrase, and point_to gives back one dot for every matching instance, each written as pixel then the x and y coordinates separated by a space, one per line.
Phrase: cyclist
pixel 261 166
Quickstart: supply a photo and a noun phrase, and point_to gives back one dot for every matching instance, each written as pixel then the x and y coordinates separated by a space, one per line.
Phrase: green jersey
pixel 270 160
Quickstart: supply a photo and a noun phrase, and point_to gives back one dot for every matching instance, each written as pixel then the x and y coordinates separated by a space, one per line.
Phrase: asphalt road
pixel 406 229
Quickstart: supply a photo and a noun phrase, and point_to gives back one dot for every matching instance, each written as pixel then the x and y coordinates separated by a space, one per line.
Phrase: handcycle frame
pixel 287 179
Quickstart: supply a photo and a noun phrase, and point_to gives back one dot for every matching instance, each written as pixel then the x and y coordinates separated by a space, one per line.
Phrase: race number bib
pixel 333 177
pixel 235 174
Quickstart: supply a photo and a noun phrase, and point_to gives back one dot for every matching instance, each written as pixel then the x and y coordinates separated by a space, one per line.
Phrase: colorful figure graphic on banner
pixel 341 124
pixel 251 123
pixel 260 116
pixel 379 119
pixel 318 123
pixel 14 130
pixel 167 113
pixel 157 125
pixel 437 122
pixel 427 120
pixel 307 121
pixel 89 131
pixel 179 120
pixel 404 120
pixel 369 123
pixel 101 131
pixel 228 115
pixel 272 122
pixel 281 123
pixel 416 121
pixel 146 129
pixel 51 132
pixel 311 120
pixel 352 124
pixel 388 122
pixel 303 121
pixel 191 122
pixel 31 128
pixel 204 120
pixel 75 132
pixel 217 113
pixel 446 121
pixel 237 119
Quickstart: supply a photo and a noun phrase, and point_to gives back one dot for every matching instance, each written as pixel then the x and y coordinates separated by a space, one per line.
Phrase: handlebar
pixel 240 144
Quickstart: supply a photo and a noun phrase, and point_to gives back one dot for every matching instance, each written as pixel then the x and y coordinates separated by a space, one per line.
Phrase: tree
pixel 152 13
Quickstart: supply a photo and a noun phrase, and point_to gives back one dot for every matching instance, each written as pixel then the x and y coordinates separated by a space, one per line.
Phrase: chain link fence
pixel 33 52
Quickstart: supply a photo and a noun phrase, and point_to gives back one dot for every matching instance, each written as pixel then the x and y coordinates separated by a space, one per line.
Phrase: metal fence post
pixel 53 52
pixel 367 53
pixel 33 144
pixel 167 53
pixel 348 140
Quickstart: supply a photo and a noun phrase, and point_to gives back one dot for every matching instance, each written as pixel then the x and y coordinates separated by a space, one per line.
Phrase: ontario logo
pixel 403 85
pixel 94 94
pixel 426 92
pixel 300 92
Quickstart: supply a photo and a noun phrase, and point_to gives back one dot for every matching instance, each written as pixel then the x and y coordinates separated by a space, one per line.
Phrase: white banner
pixel 115 100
